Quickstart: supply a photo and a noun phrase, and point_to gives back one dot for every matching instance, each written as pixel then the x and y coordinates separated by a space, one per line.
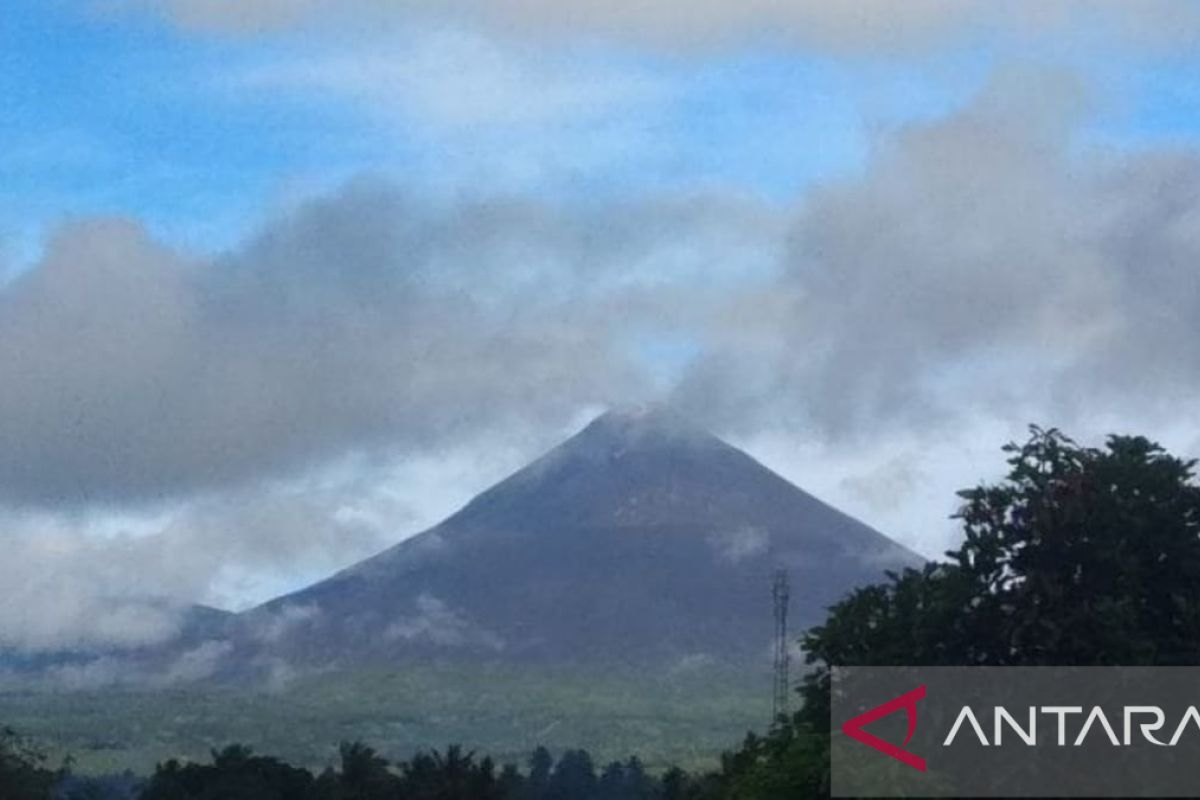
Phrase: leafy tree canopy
pixel 1080 556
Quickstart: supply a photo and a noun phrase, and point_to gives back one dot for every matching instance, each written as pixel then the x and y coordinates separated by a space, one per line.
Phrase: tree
pixel 235 774
pixel 125 786
pixel 625 781
pixel 453 775
pixel 574 776
pixel 674 784
pixel 541 763
pixel 23 771
pixel 1081 556
pixel 510 783
pixel 364 774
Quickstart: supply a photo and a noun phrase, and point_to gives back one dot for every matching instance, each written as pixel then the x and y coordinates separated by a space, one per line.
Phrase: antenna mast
pixel 781 592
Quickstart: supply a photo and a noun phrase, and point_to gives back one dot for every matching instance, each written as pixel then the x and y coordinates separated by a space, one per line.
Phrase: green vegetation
pixel 684 718
pixel 238 773
pixel 1081 556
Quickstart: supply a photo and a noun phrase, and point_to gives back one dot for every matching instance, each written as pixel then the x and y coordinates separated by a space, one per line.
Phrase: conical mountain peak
pixel 640 427
pixel 642 537
pixel 639 417
pixel 636 466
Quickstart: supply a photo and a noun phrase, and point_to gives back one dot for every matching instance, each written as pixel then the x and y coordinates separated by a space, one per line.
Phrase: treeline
pixel 1081 556
pixel 237 773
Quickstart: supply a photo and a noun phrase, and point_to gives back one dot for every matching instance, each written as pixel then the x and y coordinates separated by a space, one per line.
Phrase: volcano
pixel 643 538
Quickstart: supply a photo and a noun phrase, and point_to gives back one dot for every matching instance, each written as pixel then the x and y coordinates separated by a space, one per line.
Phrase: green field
pixel 685 719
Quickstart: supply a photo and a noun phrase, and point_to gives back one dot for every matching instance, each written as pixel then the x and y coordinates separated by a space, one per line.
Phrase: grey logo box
pixel 1015 732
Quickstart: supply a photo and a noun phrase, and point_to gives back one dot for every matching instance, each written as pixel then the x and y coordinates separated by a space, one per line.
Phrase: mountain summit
pixel 641 538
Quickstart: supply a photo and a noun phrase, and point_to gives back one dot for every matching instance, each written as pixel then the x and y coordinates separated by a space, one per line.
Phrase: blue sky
pixel 104 118
pixel 129 115
pixel 815 225
pixel 126 114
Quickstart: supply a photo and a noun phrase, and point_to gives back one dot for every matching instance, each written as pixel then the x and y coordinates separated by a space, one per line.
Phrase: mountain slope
pixel 640 539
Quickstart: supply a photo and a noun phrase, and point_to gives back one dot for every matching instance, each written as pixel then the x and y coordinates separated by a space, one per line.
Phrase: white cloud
pixel 197 664
pixel 452 79
pixel 477 114
pixel 96 578
pixel 64 591
pixel 839 24
pixel 740 544
pixel 435 622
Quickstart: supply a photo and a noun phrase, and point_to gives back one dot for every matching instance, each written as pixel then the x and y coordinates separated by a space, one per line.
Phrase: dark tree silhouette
pixel 23 771
pixel 574 777
pixel 1081 556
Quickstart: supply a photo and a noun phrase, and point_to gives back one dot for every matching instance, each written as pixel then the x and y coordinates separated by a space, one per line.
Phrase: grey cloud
pixel 982 264
pixel 250 414
pixel 988 265
pixel 985 263
pixel 874 24
pixel 359 322
pixel 73 583
pixel 886 485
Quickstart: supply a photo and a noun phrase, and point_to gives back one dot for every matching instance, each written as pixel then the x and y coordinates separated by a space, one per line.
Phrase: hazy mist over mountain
pixel 643 539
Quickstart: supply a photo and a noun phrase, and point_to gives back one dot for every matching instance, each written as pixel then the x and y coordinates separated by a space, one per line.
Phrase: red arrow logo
pixel 908 701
